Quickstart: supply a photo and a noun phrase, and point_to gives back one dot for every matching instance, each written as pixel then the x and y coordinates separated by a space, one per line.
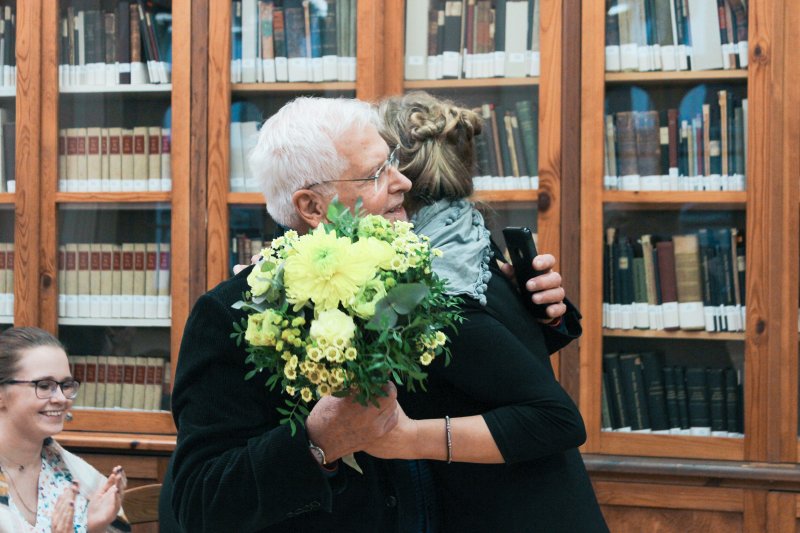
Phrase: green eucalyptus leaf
pixel 405 297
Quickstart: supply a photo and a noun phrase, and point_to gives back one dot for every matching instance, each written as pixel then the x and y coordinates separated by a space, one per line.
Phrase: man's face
pixel 366 151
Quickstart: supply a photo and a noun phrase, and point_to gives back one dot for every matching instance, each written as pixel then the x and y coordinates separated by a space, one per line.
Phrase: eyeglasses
pixel 46 388
pixel 391 162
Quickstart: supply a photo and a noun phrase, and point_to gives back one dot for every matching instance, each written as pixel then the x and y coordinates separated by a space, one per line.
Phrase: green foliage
pixel 396 343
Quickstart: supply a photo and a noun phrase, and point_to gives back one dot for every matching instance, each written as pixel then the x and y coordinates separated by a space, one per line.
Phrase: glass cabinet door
pixel 8 79
pixel 113 206
pixel 488 56
pixel 667 212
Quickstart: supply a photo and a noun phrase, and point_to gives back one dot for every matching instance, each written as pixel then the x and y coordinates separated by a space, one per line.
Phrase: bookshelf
pixel 475 78
pixel 39 216
pixel 640 478
pixel 627 466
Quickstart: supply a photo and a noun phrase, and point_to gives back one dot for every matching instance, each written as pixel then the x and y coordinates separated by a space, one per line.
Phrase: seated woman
pixel 43 487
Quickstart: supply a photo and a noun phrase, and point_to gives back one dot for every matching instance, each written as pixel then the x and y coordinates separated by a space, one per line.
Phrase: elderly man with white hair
pixel 235 468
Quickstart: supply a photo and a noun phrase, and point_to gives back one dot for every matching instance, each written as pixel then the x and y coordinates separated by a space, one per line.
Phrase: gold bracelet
pixel 449 439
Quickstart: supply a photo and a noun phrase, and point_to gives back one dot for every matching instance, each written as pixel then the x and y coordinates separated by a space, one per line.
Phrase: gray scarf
pixel 457 229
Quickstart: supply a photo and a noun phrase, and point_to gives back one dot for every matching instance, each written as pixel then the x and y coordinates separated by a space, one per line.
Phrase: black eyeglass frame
pixel 51 388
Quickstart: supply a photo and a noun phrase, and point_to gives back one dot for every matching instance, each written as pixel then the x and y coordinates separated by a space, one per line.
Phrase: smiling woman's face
pixel 33 419
pixel 366 151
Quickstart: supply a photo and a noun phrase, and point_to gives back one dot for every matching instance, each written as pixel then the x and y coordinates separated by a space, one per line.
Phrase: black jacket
pixel 236 469
pixel 500 368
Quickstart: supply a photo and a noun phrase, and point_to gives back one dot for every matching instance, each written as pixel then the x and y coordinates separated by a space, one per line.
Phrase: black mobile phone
pixel 522 250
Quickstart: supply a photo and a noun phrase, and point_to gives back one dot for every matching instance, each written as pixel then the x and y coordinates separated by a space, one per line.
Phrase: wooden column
pixel 28 164
pixel 219 134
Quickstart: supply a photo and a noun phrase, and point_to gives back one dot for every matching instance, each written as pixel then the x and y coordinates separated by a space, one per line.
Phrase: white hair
pixel 296 148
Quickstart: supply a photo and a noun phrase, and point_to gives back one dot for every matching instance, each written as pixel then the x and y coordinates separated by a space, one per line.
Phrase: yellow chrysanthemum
pixel 326 269
pixel 426 358
pixel 305 394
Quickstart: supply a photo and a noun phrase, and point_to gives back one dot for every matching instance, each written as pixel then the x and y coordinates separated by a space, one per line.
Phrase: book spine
pixel 634 393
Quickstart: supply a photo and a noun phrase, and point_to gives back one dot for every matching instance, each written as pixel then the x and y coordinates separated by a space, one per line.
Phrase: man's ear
pixel 311 207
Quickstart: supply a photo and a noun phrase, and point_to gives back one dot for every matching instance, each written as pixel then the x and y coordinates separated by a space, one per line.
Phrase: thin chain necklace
pixel 19 494
pixel 20 467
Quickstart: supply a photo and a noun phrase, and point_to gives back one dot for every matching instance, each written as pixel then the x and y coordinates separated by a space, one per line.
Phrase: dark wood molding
pixel 764 476
pixel 569 262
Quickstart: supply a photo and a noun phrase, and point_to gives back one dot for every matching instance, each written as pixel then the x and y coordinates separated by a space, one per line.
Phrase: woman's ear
pixel 311 207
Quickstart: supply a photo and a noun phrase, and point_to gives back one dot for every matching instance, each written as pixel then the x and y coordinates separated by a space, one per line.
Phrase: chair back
pixel 141 504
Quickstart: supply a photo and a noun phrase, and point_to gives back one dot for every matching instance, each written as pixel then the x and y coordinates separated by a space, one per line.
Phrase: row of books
pixel 642 394
pixel 6 278
pixel 652 150
pixel 110 42
pixel 114 159
pixel 243 248
pixel 8 36
pixel 293 40
pixel 505 183
pixel 647 35
pixel 472 39
pixel 111 381
pixel 129 280
pixel 8 145
pixel 508 144
pixel 244 136
pixel 694 281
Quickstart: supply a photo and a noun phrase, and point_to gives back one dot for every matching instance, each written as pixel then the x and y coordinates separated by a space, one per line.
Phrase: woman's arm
pixel 528 414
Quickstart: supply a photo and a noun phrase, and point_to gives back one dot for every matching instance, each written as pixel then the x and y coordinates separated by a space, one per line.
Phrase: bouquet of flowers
pixel 343 309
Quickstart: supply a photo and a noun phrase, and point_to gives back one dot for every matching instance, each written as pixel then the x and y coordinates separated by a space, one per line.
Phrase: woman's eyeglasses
pixel 46 388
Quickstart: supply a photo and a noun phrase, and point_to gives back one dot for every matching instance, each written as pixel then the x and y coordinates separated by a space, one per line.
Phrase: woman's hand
pixel 546 288
pixel 106 502
pixel 63 517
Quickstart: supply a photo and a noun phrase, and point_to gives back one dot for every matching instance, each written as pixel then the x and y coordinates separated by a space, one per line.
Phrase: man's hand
pixel 546 288
pixel 341 426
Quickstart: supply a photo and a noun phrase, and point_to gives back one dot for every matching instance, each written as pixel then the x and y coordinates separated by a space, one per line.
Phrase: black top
pixel 236 469
pixel 500 368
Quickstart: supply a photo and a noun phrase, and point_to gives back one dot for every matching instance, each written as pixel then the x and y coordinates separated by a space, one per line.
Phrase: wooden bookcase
pixel 640 479
pixel 645 481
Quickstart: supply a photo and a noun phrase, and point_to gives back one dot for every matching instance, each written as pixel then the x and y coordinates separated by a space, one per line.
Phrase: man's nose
pixel 398 182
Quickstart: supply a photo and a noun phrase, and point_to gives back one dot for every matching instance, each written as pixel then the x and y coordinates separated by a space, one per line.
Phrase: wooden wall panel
pixel 637 520
pixel 638 507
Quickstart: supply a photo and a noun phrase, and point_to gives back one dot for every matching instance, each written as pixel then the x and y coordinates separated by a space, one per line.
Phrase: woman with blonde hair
pixel 43 487
pixel 512 432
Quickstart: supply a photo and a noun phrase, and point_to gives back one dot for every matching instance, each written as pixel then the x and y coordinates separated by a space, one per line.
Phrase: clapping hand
pixel 106 502
pixel 62 520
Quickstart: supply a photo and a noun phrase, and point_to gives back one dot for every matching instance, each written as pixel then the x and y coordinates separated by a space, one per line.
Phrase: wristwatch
pixel 317 452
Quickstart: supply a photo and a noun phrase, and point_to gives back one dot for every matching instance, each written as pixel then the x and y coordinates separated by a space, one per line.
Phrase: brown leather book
pixel 668 283
pixel 626 144
pixel 648 143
